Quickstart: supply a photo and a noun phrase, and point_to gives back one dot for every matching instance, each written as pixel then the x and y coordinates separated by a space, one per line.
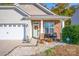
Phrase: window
pixel 19 25
pixel 10 25
pixel 49 27
pixel 14 25
pixel 5 25
pixel 1 25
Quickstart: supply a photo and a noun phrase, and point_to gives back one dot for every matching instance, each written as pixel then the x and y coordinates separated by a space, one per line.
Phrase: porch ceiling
pixel 49 17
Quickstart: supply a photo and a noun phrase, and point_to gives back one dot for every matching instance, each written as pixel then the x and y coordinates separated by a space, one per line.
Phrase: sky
pixel 50 5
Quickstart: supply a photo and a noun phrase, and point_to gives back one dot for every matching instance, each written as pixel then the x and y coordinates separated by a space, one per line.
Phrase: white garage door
pixel 11 32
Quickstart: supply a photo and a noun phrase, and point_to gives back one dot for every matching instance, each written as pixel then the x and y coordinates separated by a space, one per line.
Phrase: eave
pixel 50 17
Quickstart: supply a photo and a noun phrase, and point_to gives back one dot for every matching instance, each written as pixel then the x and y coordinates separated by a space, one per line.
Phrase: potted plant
pixel 49 40
pixel 41 41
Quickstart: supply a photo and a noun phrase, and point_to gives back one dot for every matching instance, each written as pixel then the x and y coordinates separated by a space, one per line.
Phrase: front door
pixel 36 29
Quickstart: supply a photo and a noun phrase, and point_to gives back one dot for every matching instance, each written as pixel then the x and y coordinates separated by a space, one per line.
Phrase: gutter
pixel 4 7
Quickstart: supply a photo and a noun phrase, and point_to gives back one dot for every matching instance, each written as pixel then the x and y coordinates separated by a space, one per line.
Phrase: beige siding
pixel 28 28
pixel 9 15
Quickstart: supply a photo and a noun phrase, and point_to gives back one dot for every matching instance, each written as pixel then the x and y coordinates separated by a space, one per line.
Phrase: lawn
pixel 66 50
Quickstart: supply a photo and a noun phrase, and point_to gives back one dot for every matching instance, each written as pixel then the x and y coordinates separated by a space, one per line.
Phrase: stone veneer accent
pixel 58 29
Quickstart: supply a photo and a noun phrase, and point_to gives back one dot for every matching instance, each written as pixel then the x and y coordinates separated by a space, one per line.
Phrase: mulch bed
pixel 66 50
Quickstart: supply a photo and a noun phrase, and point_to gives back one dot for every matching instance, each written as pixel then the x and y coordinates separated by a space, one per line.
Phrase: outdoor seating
pixel 53 36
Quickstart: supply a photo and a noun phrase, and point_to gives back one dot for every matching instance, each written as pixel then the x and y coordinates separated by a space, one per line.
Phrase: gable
pixel 11 13
pixel 33 9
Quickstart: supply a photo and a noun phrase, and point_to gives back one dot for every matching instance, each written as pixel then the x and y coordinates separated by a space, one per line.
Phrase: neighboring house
pixel 75 18
pixel 19 21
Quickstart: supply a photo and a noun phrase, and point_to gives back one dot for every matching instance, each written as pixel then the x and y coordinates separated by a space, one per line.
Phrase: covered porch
pixel 48 26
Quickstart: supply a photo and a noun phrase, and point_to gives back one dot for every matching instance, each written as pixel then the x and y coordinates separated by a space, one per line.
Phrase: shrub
pixel 70 34
pixel 48 52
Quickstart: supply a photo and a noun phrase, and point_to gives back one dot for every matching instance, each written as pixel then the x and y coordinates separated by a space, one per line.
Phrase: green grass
pixel 48 52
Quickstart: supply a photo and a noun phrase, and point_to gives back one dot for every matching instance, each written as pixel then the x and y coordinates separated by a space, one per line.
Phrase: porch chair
pixel 53 36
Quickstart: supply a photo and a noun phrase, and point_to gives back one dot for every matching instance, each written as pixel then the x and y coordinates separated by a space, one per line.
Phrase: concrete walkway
pixel 32 50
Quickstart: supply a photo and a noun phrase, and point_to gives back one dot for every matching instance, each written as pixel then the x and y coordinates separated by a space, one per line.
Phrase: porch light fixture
pixel 25 18
pixel 16 4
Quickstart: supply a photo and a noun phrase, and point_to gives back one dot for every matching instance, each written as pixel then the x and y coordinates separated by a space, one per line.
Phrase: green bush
pixel 70 34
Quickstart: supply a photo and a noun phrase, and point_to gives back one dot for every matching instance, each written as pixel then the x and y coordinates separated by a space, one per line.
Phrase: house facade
pixel 30 20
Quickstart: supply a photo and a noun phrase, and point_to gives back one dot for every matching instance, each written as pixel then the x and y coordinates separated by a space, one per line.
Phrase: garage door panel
pixel 11 33
pixel 18 32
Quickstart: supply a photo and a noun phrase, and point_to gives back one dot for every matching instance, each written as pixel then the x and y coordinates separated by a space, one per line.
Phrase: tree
pixel 64 9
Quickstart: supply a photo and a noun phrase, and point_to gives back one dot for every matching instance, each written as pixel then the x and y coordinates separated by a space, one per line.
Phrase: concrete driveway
pixel 8 45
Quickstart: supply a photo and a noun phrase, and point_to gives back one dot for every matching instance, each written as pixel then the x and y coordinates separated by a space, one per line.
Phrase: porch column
pixel 42 32
pixel 63 24
pixel 42 26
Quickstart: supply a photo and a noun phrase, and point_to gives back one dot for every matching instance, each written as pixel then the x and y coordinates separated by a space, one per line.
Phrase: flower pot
pixel 41 41
pixel 49 40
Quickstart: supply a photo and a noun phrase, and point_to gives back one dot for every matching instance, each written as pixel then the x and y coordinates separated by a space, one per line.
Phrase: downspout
pixel 25 39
